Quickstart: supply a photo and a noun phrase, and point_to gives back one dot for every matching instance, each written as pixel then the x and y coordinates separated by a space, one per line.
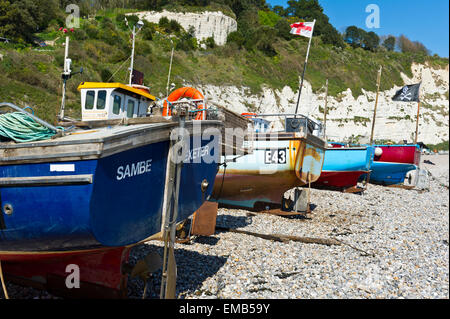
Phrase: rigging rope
pixel 22 128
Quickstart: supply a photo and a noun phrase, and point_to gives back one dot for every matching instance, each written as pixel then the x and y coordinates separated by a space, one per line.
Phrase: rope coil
pixel 21 128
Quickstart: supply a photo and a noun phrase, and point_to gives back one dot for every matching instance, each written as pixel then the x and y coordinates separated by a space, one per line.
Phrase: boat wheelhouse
pixel 111 101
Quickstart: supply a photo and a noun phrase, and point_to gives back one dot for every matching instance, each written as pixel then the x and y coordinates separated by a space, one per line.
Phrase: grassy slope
pixel 33 77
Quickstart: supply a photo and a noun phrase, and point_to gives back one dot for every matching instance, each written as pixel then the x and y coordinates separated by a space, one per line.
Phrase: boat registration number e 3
pixel 275 156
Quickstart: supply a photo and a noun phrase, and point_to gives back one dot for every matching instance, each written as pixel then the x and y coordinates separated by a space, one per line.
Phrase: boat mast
pixel 139 25
pixel 65 77
pixel 170 69
pixel 376 103
pixel 325 112
pixel 418 112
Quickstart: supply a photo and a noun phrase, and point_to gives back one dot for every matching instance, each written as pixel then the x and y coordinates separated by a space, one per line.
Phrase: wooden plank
pixel 204 219
pixel 91 148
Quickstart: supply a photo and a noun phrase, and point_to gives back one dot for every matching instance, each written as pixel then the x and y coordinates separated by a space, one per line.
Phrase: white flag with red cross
pixel 303 28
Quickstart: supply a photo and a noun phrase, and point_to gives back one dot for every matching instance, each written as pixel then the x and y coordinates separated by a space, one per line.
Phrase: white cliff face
pixel 349 117
pixel 207 24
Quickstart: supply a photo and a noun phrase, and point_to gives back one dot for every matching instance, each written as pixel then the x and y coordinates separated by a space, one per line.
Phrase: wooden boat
pixel 96 188
pixel 343 167
pixel 91 192
pixel 280 160
pixel 392 163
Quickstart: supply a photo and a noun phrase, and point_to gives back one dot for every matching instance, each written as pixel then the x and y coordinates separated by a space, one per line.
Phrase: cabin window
pixel 117 103
pixel 101 100
pixel 90 98
pixel 130 108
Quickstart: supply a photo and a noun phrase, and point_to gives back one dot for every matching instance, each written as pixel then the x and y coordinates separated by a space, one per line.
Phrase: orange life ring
pixel 248 114
pixel 187 92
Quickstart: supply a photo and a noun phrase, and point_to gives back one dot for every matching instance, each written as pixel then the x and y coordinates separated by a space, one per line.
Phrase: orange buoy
pixel 186 92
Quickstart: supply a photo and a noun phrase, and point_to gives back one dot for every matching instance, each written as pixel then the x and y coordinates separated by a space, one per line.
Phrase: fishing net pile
pixel 20 127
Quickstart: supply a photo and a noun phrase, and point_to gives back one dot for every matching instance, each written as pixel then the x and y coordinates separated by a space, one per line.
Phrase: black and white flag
pixel 409 93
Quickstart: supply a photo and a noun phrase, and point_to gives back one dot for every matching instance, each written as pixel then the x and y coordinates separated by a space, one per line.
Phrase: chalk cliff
pixel 350 117
pixel 207 24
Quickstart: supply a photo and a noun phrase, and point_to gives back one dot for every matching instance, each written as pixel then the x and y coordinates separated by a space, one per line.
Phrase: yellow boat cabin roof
pixel 117 85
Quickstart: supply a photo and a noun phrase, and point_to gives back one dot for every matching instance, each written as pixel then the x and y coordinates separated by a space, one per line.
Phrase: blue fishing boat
pixel 85 194
pixel 94 189
pixel 393 162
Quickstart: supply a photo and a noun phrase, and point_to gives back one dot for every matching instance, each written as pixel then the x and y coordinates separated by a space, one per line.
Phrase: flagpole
pixel 366 182
pixel 376 103
pixel 418 112
pixel 304 68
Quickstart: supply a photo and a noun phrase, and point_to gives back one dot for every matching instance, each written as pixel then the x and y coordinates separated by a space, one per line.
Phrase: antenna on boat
pixel 67 74
pixel 139 25
pixel 170 68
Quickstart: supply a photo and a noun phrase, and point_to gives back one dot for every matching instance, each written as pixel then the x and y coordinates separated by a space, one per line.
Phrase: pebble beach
pixel 393 243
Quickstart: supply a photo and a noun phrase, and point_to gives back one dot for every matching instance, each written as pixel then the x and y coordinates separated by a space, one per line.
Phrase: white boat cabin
pixel 110 101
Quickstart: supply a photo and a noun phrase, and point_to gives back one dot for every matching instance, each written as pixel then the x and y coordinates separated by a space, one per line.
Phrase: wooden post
pixel 376 103
pixel 366 183
pixel 418 112
pixel 417 123
pixel 325 112
pixel 170 213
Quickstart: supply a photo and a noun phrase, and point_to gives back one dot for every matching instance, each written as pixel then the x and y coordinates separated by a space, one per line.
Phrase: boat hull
pixel 338 181
pixel 101 271
pixel 90 212
pixel 394 163
pixel 343 167
pixel 119 201
pixel 274 166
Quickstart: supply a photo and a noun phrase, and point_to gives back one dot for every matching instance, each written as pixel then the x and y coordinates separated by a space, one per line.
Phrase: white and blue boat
pixel 393 162
pixel 279 161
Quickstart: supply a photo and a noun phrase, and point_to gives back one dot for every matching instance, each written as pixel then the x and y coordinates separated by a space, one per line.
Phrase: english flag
pixel 303 28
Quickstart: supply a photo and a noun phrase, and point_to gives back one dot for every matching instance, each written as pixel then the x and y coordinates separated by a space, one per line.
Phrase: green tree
pixel 389 43
pixel 371 40
pixel 210 43
pixel 283 29
pixel 237 38
pixel 331 36
pixel 279 10
pixel 187 41
pixel 353 36
pixel 308 10
pixel 20 19
pixel 268 18
pixel 265 38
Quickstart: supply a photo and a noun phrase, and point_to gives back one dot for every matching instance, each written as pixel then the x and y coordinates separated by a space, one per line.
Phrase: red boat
pixel 343 166
pixel 392 163
pixel 101 271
